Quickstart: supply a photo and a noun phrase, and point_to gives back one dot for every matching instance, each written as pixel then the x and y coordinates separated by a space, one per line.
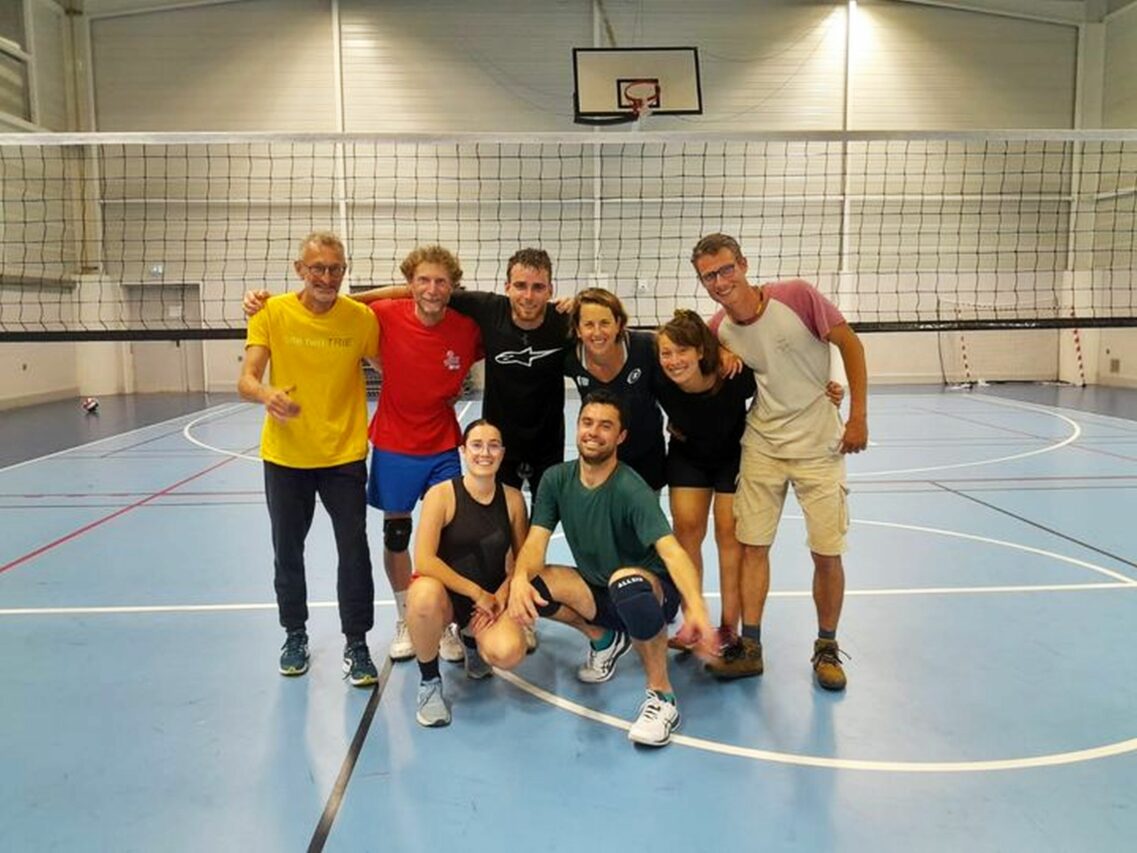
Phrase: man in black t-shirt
pixel 525 341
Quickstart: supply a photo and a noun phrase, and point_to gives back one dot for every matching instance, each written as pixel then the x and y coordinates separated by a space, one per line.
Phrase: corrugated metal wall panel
pixel 452 65
pixel 49 50
pixel 1120 103
pixel 924 68
pixel 257 65
pixel 506 65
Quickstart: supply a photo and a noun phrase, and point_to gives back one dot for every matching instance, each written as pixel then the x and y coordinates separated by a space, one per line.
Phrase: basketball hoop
pixel 640 96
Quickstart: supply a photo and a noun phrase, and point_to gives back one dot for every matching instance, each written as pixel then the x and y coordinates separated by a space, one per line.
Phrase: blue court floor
pixel 992 699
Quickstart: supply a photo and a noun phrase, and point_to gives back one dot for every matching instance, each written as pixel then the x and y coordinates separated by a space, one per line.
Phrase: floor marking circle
pixel 986 766
pixel 1075 434
pixel 188 434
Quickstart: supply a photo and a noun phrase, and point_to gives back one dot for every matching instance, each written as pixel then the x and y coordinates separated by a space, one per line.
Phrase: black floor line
pixel 332 807
pixel 1038 526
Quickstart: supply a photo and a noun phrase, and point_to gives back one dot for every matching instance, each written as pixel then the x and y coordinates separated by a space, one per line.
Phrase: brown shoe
pixel 742 660
pixel 827 665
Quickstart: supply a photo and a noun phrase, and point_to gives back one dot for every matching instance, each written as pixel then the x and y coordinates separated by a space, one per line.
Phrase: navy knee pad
pixel 396 534
pixel 542 588
pixel 639 610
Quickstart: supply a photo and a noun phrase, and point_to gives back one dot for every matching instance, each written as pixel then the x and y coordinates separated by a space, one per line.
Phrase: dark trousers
pixel 291 496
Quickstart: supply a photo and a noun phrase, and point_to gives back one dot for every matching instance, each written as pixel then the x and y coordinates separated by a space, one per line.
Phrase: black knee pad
pixel 542 588
pixel 396 534
pixel 635 601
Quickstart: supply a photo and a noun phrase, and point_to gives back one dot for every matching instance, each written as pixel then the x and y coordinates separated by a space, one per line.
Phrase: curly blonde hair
pixel 433 254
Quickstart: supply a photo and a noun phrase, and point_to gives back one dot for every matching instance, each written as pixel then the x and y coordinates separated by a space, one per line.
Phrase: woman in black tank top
pixel 469 532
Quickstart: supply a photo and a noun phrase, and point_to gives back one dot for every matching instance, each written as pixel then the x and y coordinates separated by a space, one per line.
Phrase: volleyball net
pixel 129 236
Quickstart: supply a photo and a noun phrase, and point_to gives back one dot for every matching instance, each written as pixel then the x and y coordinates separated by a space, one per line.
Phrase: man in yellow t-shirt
pixel 314 442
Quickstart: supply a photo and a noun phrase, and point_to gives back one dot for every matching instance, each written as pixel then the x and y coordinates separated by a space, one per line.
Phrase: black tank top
pixel 476 541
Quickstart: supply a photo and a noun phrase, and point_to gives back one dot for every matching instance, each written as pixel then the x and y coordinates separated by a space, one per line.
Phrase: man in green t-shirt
pixel 631 574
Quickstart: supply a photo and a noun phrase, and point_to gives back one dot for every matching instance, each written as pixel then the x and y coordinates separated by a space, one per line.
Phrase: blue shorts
pixel 397 481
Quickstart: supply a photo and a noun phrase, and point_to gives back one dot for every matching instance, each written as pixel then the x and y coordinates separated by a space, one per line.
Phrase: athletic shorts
pixel 651 466
pixel 397 481
pixel 819 485
pixel 517 468
pixel 687 472
pixel 607 617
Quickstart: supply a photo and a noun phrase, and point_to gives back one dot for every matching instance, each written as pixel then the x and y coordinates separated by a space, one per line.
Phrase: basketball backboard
pixel 623 84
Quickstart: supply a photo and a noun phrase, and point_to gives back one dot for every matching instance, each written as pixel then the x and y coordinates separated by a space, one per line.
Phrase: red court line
pixel 31 555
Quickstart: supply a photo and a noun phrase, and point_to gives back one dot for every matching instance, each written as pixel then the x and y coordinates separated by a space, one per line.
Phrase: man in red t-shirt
pixel 426 352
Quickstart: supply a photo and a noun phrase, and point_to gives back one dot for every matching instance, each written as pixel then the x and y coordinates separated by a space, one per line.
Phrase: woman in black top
pixel 609 355
pixel 469 533
pixel 706 418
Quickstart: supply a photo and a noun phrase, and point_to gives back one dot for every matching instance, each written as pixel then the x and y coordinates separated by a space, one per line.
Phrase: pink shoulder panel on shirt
pixel 817 313
pixel 716 321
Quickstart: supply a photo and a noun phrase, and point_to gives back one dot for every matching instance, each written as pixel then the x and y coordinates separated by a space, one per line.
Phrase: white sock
pixel 401 605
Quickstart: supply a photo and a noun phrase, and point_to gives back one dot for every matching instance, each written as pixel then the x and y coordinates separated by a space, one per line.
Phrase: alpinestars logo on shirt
pixel 524 357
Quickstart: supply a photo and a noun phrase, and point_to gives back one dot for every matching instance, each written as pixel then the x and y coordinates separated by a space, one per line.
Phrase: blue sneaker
pixel 432 709
pixel 294 653
pixel 357 665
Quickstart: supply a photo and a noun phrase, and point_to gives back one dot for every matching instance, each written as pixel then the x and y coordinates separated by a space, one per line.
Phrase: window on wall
pixel 14 97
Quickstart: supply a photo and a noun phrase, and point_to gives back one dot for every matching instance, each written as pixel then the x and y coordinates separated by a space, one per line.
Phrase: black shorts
pixel 687 472
pixel 463 607
pixel 650 466
pixel 607 617
pixel 516 468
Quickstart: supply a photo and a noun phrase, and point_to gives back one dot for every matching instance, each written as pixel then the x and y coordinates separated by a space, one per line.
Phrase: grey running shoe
pixel 432 708
pixel 476 667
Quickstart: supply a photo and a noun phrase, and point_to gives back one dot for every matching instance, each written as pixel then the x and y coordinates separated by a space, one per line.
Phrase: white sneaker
pixel 531 639
pixel 450 647
pixel 601 665
pixel 432 708
pixel 401 646
pixel 657 719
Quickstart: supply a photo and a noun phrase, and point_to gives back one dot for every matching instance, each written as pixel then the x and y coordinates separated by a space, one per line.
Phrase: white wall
pixel 36 373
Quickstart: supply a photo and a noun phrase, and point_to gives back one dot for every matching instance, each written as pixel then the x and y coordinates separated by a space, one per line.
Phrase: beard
pixel 598 457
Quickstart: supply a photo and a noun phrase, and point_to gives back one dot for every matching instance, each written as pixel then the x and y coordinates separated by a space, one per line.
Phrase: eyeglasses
pixel 725 271
pixel 487 446
pixel 321 270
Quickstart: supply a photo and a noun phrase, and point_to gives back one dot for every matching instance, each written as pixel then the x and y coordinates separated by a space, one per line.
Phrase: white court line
pixel 1123 579
pixel 188 434
pixel 1050 760
pixel 115 609
pixel 111 610
pixel 105 439
pixel 955 534
pixel 1071 438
